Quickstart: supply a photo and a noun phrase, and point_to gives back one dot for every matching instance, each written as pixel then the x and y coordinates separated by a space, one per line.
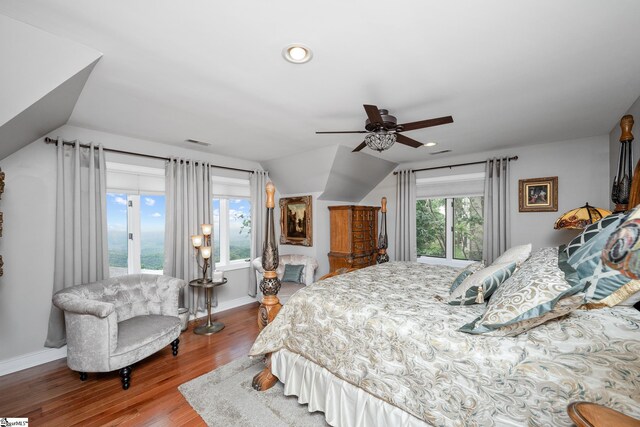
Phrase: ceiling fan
pixel 383 130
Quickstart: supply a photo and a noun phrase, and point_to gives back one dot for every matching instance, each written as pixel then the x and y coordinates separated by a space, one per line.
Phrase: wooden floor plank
pixel 51 394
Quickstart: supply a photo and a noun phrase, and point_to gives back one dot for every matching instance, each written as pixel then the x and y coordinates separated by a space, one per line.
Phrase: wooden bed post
pixel 269 286
pixel 383 241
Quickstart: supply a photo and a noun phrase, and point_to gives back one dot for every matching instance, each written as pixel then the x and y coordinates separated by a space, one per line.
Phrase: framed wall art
pixel 296 225
pixel 538 194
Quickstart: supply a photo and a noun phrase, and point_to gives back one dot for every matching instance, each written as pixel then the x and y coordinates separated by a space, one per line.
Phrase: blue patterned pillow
pixel 468 271
pixel 487 279
pixel 600 281
pixel 293 273
pixel 592 231
pixel 530 296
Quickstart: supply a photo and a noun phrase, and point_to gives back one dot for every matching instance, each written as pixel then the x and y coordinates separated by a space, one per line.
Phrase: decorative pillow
pixel 533 291
pixel 604 285
pixel 468 271
pixel 487 280
pixel 293 273
pixel 622 253
pixel 517 254
pixel 562 308
pixel 591 231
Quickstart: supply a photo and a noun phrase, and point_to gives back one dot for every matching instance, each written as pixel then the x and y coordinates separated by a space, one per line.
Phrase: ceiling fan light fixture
pixel 297 53
pixel 380 141
pixel 431 144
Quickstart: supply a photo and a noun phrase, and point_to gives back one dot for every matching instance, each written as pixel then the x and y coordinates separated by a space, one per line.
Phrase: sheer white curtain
pixel 188 205
pixel 257 181
pixel 81 225
pixel 497 224
pixel 405 238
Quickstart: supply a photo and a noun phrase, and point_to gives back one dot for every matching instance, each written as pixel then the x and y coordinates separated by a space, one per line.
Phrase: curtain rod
pixel 48 140
pixel 456 165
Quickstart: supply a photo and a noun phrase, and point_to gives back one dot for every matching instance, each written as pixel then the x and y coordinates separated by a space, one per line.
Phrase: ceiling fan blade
pixel 373 114
pixel 342 131
pixel 426 123
pixel 360 147
pixel 407 141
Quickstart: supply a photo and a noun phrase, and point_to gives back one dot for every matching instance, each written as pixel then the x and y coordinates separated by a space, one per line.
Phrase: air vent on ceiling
pixel 195 141
pixel 440 152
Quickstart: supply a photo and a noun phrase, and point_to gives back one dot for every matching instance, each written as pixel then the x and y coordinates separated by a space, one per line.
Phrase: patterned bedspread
pixel 389 330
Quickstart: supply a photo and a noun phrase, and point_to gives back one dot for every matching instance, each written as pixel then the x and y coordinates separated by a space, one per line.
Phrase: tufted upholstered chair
pixel 288 288
pixel 113 323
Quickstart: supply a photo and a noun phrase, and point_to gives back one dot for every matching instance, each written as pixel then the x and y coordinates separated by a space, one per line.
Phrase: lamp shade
pixel 579 218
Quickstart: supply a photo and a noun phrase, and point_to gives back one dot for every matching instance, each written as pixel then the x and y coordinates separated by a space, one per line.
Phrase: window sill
pixel 444 261
pixel 234 266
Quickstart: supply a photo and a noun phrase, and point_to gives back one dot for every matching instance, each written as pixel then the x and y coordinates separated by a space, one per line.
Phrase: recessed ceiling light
pixel 430 144
pixel 297 53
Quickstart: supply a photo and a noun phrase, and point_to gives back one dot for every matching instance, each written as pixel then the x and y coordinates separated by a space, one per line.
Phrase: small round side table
pixel 210 327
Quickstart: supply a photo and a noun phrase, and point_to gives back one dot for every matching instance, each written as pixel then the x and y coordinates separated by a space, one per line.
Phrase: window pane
pixel 117 238
pixel 152 211
pixel 216 230
pixel 239 229
pixel 467 228
pixel 430 227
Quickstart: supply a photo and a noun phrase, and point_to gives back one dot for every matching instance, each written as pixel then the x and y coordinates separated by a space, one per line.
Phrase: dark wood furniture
pixel 269 286
pixel 586 414
pixel 354 241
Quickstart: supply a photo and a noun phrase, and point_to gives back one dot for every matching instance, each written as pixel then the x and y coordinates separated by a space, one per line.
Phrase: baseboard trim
pixel 227 305
pixel 30 360
pixel 47 355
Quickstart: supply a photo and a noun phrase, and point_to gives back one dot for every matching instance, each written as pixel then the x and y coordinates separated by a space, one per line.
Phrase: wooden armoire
pixel 354 236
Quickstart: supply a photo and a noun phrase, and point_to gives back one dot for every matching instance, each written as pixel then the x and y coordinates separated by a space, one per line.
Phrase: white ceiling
pixel 509 72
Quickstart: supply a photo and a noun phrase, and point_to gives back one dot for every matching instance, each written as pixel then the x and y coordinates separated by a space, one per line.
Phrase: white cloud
pixel 120 200
pixel 156 214
pixel 149 201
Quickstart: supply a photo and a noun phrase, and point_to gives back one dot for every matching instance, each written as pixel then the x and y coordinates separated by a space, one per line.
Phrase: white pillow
pixel 517 254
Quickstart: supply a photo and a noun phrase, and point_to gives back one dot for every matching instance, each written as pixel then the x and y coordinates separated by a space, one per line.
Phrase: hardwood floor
pixel 53 395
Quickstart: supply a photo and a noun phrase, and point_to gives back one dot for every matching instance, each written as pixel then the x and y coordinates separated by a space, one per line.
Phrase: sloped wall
pixel 41 79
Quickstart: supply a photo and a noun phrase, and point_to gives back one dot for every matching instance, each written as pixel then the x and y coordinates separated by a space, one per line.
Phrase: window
pixel 450 228
pixel 135 219
pixel 231 222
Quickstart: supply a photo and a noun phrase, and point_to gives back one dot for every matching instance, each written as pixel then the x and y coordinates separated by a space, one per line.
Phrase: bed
pixel 408 344
pixel 380 346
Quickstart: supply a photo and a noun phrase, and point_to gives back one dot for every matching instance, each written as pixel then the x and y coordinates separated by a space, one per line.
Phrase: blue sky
pixel 152 210
pixel 152 213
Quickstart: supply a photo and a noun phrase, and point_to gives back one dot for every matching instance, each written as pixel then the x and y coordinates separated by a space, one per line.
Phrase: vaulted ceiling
pixel 509 72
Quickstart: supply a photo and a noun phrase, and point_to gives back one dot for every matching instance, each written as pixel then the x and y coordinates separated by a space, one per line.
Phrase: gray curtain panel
pixel 497 223
pixel 258 181
pixel 81 225
pixel 405 238
pixel 188 205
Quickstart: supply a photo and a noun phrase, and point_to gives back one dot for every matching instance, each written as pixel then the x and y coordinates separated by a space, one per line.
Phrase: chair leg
pixel 125 374
pixel 83 376
pixel 174 346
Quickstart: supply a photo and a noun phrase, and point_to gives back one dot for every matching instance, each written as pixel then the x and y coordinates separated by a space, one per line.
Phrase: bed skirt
pixel 343 404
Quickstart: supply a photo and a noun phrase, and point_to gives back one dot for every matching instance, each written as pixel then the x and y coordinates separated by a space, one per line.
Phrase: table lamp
pixel 202 246
pixel 580 218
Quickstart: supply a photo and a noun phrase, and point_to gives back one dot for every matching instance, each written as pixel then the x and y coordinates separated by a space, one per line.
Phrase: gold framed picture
pixel 296 226
pixel 538 194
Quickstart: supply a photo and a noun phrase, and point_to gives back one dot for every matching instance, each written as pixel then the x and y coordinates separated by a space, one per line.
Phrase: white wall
pixel 582 168
pixel 27 244
pixel 614 144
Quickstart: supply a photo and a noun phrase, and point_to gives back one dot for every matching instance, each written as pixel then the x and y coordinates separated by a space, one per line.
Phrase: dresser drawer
pixel 365 234
pixel 364 261
pixel 363 246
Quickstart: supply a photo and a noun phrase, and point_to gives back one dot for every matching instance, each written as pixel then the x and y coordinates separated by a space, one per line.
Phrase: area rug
pixel 224 397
